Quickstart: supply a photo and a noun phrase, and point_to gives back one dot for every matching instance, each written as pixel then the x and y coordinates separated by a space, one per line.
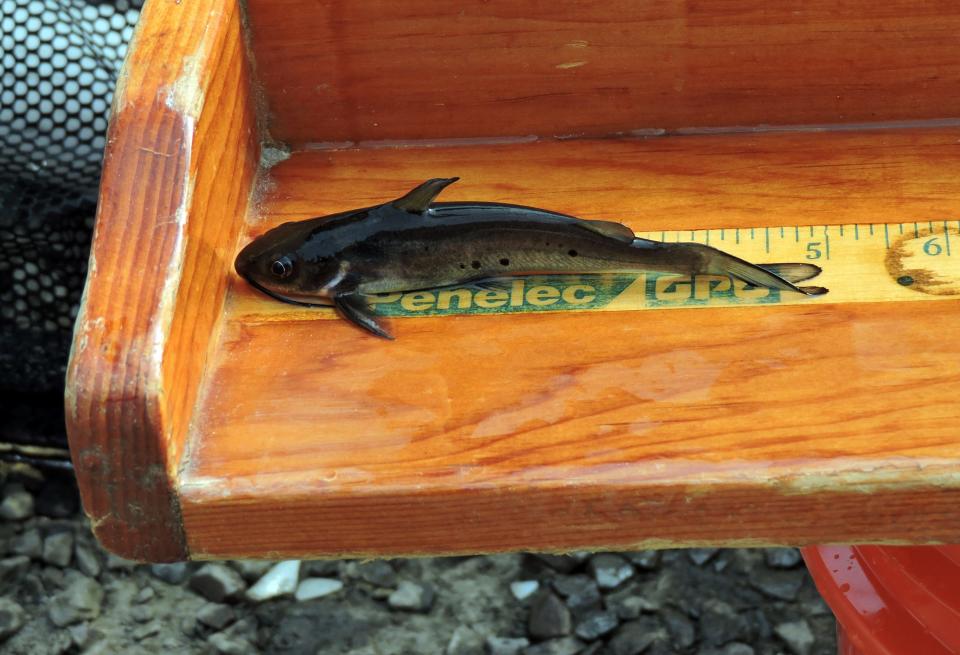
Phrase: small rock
pixel 117 563
pixel 701 556
pixel 217 582
pixel 634 637
pixel 465 641
pixel 737 648
pixel 549 617
pixel 17 504
pixel 141 613
pixel 12 568
pixel 80 601
pixel 321 568
pixel 781 585
pixel 88 560
pixel 244 628
pixel 80 634
pixel 104 647
pixel 506 645
pixel 379 573
pixel 252 569
pixel 633 600
pixel 29 543
pixel 816 606
pixel 216 616
pixel 679 627
pixel 559 563
pixel 610 571
pixel 145 594
pixel 596 624
pixel 58 548
pixel 146 630
pixel 796 635
pixel 782 558
pixel 188 625
pixel 523 589
pixel 645 560
pixel 225 644
pixel 53 578
pixel 11 618
pixel 412 597
pixel 565 646
pixel 174 573
pixel 580 591
pixel 594 649
pixel 280 580
pixel 311 588
pixel 720 623
pixel 758 626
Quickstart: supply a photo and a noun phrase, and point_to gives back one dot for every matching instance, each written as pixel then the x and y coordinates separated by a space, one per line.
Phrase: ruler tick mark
pixel 946 236
pixel 886 236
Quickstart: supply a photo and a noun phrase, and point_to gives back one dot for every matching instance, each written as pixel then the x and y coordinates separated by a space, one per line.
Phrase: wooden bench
pixel 208 421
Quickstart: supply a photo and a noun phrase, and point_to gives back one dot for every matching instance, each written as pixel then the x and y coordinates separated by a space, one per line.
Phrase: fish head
pixel 276 264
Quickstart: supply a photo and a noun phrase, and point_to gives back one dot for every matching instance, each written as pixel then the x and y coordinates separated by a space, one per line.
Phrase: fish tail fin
pixel 721 263
pixel 793 272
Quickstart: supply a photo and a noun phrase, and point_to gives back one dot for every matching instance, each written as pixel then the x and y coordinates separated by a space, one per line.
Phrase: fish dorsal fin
pixel 418 200
pixel 617 231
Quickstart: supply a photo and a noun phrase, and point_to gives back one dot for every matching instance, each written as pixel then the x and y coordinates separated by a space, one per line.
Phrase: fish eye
pixel 282 267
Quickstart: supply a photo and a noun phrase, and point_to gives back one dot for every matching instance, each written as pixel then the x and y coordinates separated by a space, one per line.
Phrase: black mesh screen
pixel 59 61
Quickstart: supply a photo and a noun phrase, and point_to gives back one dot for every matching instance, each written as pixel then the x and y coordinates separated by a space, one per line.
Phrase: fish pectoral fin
pixel 617 231
pixel 793 272
pixel 418 200
pixel 356 309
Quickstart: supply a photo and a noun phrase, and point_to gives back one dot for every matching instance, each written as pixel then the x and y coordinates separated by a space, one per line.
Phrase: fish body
pixel 413 243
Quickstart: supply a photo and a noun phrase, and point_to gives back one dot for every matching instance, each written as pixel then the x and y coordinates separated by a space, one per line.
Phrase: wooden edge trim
pixel 118 422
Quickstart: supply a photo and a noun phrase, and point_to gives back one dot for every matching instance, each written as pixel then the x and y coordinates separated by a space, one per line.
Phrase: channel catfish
pixel 413 243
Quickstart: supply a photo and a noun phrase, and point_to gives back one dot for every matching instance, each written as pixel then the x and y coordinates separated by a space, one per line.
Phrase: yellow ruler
pixel 861 263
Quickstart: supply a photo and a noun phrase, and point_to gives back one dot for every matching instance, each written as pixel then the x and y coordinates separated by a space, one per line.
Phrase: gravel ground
pixel 61 593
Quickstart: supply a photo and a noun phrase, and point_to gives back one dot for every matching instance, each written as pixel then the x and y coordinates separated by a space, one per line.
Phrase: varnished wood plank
pixel 375 70
pixel 559 431
pixel 178 170
pixel 652 184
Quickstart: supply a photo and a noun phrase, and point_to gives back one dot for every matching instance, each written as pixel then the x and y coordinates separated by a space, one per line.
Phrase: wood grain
pixel 563 431
pixel 427 69
pixel 177 174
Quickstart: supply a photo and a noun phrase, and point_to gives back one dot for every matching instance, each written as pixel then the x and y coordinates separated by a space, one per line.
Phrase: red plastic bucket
pixel 891 600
